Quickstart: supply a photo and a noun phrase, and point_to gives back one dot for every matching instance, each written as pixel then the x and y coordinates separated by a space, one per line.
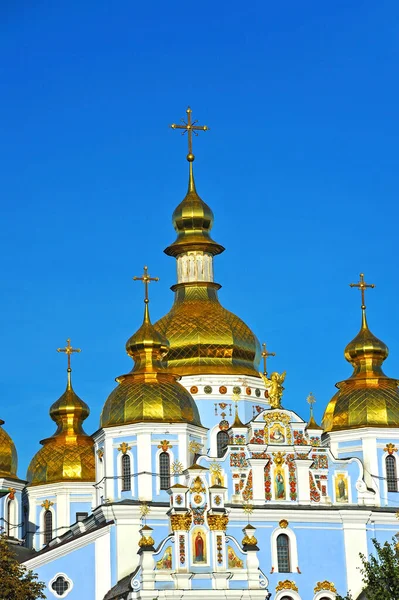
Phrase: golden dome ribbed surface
pixel 68 455
pixel 204 337
pixel 368 398
pixel 148 393
pixel 8 455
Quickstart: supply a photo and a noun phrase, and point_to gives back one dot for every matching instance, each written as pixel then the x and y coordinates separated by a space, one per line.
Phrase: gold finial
pixel 265 356
pixel 191 128
pixel 68 351
pixel 146 279
pixel 311 400
pixel 362 285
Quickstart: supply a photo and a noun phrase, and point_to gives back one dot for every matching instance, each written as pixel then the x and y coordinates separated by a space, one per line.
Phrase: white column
pixel 302 470
pixel 258 478
pixel 102 553
pixel 370 461
pixel 63 513
pixel 144 463
pixel 355 542
pixel 108 458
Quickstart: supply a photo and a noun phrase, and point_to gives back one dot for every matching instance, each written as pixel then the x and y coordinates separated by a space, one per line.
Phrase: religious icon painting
pixel 233 561
pixel 198 542
pixel 217 478
pixel 277 434
pixel 166 561
pixel 341 487
pixel 279 484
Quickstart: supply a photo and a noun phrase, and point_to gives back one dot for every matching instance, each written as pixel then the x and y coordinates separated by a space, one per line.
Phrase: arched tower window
pixel 390 467
pixel 126 473
pixel 283 553
pixel 222 439
pixel 164 470
pixel 48 526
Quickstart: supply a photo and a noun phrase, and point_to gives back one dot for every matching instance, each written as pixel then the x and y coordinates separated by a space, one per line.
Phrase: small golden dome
pixel 368 398
pixel 68 455
pixel 8 455
pixel 206 338
pixel 193 221
pixel 148 393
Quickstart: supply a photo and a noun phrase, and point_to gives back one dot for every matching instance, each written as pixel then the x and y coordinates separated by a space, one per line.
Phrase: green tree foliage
pixel 16 582
pixel 380 572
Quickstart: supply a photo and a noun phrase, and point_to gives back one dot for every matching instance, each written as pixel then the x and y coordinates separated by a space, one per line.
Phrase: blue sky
pixel 300 168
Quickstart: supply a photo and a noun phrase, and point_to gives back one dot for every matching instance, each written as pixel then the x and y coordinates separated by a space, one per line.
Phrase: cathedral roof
pixel 68 455
pixel 204 337
pixel 368 398
pixel 149 393
pixel 8 455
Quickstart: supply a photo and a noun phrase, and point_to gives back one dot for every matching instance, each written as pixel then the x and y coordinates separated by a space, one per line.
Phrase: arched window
pixel 126 473
pixel 390 467
pixel 48 526
pixel 283 553
pixel 164 470
pixel 222 439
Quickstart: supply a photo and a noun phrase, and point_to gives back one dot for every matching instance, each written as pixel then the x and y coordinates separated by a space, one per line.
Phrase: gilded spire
pixel 365 352
pixel 68 351
pixel 193 218
pixel 265 355
pixel 147 347
pixel 312 422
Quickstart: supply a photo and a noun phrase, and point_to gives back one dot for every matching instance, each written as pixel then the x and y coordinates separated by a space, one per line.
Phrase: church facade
pixel 200 479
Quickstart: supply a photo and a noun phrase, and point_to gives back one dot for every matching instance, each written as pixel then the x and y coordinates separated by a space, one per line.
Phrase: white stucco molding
pixel 293 548
pixel 67 579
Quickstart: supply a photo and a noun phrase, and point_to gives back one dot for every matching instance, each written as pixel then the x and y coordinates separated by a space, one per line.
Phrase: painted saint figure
pixel 199 548
pixel 280 488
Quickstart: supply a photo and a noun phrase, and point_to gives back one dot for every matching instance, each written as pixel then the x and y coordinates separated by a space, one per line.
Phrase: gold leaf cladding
pixel 218 522
pixel 181 522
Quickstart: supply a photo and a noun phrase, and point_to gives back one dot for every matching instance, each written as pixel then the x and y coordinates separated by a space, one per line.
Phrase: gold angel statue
pixel 274 386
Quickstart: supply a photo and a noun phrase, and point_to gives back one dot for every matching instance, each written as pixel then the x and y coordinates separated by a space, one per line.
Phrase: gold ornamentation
pixel 215 468
pixel 100 453
pixel 283 524
pixel 194 447
pixel 193 389
pixel 265 356
pixel 223 389
pixel 190 128
pixel 286 585
pixel 124 447
pixel 362 286
pixel 248 509
pixel 146 542
pixel 46 504
pixel 68 351
pixel 165 446
pixel 325 586
pixel 249 540
pixel 181 522
pixel 11 493
pixel 144 510
pixel 276 416
pixel 274 387
pixel 197 486
pixel 278 458
pixel 217 522
pixel 197 499
pixel 177 468
pixel 390 448
pixel 146 279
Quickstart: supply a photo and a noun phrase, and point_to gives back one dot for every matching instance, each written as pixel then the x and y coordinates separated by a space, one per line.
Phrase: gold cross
pixel 68 351
pixel 265 355
pixel 146 279
pixel 362 285
pixel 191 128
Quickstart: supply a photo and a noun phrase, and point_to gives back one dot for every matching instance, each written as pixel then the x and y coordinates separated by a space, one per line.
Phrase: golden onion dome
pixel 68 455
pixel 193 221
pixel 148 393
pixel 368 398
pixel 8 455
pixel 204 337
